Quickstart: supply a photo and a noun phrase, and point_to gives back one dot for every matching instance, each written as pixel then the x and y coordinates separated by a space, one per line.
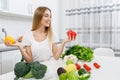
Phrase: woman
pixel 40 42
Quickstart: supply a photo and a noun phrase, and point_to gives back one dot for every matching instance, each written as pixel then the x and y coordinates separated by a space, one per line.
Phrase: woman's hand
pixel 68 39
pixel 7 43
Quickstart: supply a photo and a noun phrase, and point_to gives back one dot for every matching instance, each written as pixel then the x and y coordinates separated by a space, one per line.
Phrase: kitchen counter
pixel 5 48
pixel 109 69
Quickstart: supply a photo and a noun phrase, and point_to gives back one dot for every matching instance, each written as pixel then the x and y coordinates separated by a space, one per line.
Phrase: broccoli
pixel 21 69
pixel 29 70
pixel 38 70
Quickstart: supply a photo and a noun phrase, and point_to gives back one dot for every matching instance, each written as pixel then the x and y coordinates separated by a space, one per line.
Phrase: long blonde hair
pixel 38 15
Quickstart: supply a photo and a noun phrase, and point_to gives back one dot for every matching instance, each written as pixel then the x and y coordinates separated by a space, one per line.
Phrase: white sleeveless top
pixel 41 51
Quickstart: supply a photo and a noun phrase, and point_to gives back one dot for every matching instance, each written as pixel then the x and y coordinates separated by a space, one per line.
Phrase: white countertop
pixel 6 48
pixel 109 70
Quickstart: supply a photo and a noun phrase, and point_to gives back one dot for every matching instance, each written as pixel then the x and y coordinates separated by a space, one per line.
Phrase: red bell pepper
pixel 71 34
pixel 74 35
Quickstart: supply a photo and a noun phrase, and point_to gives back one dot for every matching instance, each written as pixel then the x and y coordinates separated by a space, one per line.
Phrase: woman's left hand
pixel 68 39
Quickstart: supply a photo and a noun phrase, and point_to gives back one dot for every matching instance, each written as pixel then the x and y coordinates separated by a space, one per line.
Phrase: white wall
pixel 14 26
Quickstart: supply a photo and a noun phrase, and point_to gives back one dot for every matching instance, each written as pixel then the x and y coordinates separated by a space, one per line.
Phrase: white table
pixel 109 70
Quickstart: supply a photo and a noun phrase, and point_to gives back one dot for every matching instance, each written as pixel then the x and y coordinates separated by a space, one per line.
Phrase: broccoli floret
pixel 21 68
pixel 28 75
pixel 38 70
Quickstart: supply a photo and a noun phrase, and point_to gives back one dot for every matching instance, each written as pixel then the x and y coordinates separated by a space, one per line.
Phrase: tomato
pixel 77 66
pixel 71 34
pixel 87 68
pixel 96 65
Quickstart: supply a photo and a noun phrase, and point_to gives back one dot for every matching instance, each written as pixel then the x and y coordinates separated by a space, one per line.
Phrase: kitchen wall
pixel 16 16
pixel 15 26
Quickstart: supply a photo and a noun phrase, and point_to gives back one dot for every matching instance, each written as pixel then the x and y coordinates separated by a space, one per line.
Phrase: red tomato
pixel 88 68
pixel 96 65
pixel 77 66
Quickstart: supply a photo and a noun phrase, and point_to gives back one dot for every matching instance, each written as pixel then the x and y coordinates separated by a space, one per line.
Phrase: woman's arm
pixel 58 51
pixel 25 52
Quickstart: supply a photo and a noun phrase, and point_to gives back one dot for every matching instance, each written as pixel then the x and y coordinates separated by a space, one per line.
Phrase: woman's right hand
pixel 7 43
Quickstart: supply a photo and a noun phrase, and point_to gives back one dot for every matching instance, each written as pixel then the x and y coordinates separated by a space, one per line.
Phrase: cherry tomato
pixel 88 68
pixel 77 66
pixel 96 65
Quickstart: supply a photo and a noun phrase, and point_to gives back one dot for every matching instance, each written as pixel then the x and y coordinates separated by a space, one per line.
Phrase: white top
pixel 41 51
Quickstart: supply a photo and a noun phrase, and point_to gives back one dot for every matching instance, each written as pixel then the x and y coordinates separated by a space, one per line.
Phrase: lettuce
pixel 81 52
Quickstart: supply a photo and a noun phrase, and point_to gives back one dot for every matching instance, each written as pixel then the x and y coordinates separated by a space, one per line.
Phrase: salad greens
pixel 81 52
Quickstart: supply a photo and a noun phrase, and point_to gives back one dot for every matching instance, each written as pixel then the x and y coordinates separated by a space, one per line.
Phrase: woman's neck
pixel 41 30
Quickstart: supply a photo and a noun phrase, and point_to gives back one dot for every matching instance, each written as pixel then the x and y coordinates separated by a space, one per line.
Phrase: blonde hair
pixel 38 15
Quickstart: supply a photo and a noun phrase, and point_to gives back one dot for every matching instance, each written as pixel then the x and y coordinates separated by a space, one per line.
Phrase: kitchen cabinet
pixel 3 4
pixel 9 59
pixel 22 8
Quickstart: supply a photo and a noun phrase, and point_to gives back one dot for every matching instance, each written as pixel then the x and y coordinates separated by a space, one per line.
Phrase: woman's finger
pixel 70 37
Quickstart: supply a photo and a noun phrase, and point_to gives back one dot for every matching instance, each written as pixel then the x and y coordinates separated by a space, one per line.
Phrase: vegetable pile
pixel 29 70
pixel 72 71
pixel 76 71
pixel 81 52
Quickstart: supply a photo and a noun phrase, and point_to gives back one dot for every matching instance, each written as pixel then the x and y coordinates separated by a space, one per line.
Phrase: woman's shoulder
pixel 28 33
pixel 55 37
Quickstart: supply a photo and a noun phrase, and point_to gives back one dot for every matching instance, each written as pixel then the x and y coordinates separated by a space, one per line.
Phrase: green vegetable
pixel 69 62
pixel 72 75
pixel 28 70
pixel 85 76
pixel 28 75
pixel 63 76
pixel 81 52
pixel 82 71
pixel 38 70
pixel 21 69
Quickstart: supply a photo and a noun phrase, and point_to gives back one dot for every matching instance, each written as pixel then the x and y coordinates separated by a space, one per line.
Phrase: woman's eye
pixel 47 16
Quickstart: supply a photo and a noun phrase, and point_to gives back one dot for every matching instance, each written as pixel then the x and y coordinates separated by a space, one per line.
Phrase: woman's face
pixel 46 20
